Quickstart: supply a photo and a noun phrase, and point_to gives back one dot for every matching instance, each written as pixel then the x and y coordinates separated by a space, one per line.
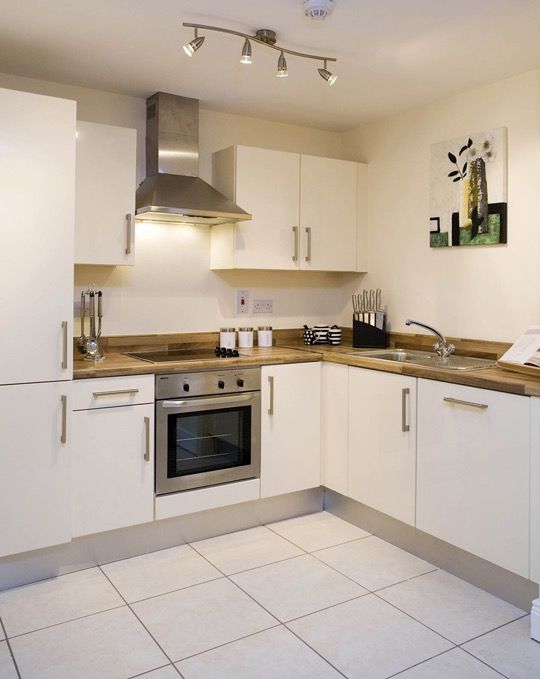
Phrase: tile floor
pixel 308 598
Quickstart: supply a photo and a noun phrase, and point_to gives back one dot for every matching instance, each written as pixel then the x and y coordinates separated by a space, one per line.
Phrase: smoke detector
pixel 318 9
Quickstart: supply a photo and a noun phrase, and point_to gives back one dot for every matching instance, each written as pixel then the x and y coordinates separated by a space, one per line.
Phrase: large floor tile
pixel 168 672
pixel 274 654
pixel 368 639
pixel 110 645
pixel 509 650
pixel 57 600
pixel 455 664
pixel 159 572
pixel 246 549
pixel 196 619
pixel 454 608
pixel 296 587
pixel 317 531
pixel 7 668
pixel 374 563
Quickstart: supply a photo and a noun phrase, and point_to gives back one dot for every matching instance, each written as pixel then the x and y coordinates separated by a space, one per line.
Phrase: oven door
pixel 208 440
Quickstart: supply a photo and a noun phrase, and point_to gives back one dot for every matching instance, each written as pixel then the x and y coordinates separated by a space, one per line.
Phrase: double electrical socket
pixel 260 306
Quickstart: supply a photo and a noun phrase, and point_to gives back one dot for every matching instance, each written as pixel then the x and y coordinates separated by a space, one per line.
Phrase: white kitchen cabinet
pixel 105 194
pixel 473 471
pixel 305 211
pixel 37 190
pixel 290 428
pixel 113 455
pixel 382 441
pixel 328 214
pixel 335 427
pixel 35 459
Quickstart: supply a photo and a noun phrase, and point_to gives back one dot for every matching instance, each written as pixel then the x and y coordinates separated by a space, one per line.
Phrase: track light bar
pixel 264 37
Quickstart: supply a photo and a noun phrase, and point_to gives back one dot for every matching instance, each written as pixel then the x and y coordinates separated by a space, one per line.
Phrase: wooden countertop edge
pixel 496 379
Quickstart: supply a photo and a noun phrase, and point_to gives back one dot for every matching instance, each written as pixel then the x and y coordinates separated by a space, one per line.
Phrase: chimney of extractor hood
pixel 173 192
pixel 172 135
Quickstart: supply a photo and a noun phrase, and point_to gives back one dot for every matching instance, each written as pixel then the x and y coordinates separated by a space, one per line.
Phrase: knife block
pixel 366 336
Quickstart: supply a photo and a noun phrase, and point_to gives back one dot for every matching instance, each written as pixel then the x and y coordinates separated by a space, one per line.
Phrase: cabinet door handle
pixel 308 234
pixel 295 235
pixel 64 345
pixel 63 431
pixel 147 444
pixel 404 424
pixel 472 404
pixel 129 232
pixel 116 392
pixel 271 400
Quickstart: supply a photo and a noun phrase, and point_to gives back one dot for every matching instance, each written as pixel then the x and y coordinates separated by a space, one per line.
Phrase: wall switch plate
pixel 263 306
pixel 242 301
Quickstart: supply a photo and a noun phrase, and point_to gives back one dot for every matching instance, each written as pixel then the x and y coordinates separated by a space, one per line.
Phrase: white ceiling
pixel 392 54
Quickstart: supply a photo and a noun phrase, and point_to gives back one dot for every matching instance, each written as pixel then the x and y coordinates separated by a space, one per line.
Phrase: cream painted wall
pixel 171 288
pixel 486 293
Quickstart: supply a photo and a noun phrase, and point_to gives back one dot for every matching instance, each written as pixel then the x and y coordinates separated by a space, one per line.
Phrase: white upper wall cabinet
pixel 105 194
pixel 328 219
pixel 305 211
pixel 37 191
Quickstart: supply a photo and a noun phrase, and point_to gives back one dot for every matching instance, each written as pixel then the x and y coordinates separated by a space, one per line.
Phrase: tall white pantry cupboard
pixel 37 194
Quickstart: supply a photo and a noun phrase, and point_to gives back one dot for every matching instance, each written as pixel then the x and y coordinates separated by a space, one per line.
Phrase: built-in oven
pixel 207 428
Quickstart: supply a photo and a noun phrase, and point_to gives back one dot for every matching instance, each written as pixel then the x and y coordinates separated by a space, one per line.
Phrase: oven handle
pixel 208 401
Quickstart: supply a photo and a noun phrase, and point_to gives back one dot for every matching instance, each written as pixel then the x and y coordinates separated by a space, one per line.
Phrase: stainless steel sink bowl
pixel 429 359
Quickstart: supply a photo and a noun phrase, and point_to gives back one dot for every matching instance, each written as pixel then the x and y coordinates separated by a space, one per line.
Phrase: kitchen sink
pixel 428 359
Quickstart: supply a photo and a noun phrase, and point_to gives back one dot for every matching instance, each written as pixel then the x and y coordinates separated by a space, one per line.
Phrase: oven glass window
pixel 208 440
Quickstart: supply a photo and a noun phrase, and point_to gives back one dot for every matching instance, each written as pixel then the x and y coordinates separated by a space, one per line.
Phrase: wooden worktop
pixel 290 349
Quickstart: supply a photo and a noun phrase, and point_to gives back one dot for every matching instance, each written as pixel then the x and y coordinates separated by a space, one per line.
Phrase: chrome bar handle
pixel 63 432
pixel 218 400
pixel 404 425
pixel 129 232
pixel 147 445
pixel 116 392
pixel 271 404
pixel 308 233
pixel 64 345
pixel 472 404
pixel 295 230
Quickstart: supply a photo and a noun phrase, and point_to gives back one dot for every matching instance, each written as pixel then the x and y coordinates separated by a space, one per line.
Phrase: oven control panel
pixel 207 383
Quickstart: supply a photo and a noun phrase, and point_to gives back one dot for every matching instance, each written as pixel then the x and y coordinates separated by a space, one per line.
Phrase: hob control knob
pixel 221 384
pixel 186 387
pixel 239 382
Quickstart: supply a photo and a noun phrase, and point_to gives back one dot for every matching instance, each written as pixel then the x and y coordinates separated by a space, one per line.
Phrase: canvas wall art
pixel 468 190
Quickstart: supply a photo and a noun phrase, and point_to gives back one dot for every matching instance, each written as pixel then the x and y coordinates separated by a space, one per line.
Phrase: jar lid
pixel 245 329
pixel 227 330
pixel 264 327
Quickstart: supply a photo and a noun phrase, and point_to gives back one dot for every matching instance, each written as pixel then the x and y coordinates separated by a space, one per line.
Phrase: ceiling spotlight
pixel 325 73
pixel 246 53
pixel 281 67
pixel 194 45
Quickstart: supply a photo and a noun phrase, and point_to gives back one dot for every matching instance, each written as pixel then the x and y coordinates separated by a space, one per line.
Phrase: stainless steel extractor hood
pixel 172 191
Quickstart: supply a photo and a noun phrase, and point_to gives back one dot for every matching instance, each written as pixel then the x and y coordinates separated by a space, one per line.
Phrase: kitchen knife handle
pixel 271 400
pixel 404 425
pixel 472 404
pixel 64 345
pixel 308 234
pixel 147 441
pixel 63 431
pixel 129 232
pixel 295 231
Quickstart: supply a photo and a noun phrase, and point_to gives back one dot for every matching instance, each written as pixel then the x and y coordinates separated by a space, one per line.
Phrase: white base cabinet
pixel 335 427
pixel 35 466
pixel 382 441
pixel 105 194
pixel 113 455
pixel 290 428
pixel 473 471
